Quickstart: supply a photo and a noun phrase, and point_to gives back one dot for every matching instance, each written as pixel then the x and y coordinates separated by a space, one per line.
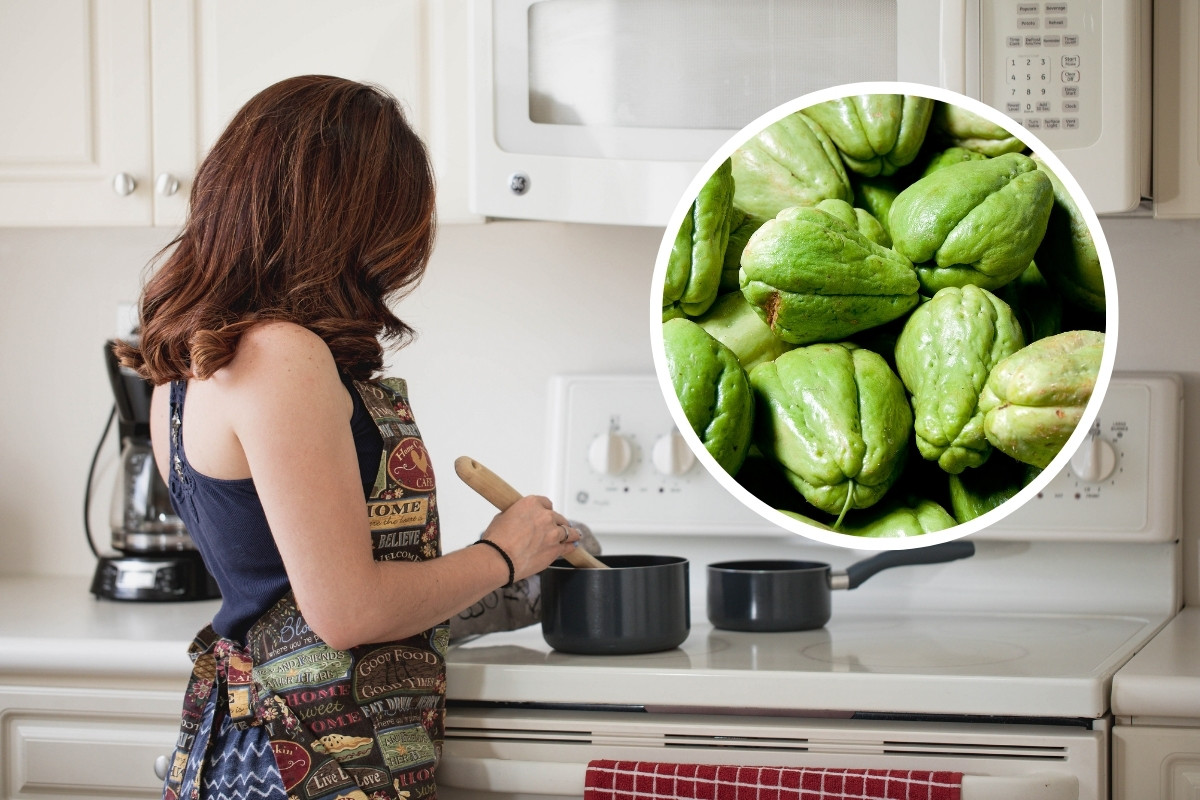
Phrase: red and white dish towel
pixel 647 780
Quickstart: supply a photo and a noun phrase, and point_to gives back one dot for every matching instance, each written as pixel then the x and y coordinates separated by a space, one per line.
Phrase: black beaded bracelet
pixel 512 573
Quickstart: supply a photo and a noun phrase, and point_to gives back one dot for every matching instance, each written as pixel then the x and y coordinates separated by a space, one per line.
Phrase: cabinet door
pixel 74 89
pixel 211 56
pixel 1155 763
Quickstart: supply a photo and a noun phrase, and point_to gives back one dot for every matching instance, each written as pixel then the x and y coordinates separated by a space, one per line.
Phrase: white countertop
pixel 1163 679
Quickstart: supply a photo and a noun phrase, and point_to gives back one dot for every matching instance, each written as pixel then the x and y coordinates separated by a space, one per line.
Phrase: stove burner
pixel 869 653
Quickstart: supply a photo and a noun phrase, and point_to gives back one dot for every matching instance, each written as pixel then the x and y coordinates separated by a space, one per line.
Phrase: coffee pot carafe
pixel 156 559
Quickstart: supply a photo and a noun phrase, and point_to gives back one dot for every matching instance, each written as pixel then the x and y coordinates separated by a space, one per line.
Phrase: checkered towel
pixel 643 780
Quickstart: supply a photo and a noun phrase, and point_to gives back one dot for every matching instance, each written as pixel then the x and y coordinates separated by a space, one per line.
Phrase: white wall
pixel 504 306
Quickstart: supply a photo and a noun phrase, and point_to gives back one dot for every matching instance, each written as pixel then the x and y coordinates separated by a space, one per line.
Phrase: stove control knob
pixel 610 453
pixel 1095 459
pixel 671 454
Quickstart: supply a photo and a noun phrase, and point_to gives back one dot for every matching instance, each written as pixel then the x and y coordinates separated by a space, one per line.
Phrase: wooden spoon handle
pixel 496 491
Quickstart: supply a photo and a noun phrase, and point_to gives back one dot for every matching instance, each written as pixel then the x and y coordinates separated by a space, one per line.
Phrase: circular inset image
pixel 884 315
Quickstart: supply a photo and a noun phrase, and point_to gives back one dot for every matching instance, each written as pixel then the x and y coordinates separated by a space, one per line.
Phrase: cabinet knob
pixel 166 184
pixel 124 184
pixel 160 767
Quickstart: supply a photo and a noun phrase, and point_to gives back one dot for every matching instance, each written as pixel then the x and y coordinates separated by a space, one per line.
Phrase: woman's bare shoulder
pixel 275 351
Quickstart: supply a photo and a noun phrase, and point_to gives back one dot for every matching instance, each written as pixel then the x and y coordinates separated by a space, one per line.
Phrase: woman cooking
pixel 298 471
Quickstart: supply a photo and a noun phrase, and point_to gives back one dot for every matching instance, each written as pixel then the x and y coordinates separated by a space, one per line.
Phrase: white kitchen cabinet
pixel 1156 763
pixel 103 88
pixel 70 742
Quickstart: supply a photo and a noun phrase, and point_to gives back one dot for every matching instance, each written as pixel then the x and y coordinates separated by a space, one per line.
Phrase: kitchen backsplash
pixel 503 307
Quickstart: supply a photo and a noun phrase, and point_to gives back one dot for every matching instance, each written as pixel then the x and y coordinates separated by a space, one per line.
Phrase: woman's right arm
pixel 289 414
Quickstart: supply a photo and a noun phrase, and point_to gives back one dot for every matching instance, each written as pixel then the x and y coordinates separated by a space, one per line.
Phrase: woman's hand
pixel 533 534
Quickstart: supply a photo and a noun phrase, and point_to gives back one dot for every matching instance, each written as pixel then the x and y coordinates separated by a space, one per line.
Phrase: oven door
pixel 524 753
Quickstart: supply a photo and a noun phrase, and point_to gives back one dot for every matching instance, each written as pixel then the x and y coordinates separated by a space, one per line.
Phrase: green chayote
pixel 944 355
pixel 875 196
pixel 741 227
pixel 836 419
pixel 859 219
pixel 814 278
pixel 951 155
pixel 1035 398
pixel 694 266
pixel 1067 252
pixel 891 520
pixel 1038 307
pixel 976 491
pixel 790 163
pixel 974 222
pixel 733 322
pixel 713 390
pixel 963 128
pixel 875 133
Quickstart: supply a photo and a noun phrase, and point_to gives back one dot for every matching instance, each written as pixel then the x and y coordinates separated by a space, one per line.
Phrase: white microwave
pixel 604 111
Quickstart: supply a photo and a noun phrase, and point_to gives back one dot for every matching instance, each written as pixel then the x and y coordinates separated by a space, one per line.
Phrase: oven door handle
pixel 560 778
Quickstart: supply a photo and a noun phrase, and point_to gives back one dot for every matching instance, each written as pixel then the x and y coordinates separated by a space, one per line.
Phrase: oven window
pixel 701 64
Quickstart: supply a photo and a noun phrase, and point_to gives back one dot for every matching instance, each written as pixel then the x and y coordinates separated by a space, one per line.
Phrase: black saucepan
pixel 777 595
pixel 613 605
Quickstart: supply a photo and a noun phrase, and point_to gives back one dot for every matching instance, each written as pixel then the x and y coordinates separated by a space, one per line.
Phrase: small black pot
pixel 639 605
pixel 776 595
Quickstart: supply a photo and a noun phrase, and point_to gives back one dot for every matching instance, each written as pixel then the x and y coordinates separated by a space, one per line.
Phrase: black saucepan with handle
pixel 611 605
pixel 781 595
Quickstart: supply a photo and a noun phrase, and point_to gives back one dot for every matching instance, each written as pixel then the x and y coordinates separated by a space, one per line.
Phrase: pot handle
pixel 496 491
pixel 859 571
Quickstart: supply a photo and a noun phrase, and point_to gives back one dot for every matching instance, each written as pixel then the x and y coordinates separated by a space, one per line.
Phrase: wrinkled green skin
pixel 1038 307
pixel 962 128
pixel 890 520
pixel 974 492
pixel 944 355
pixel 694 265
pixel 713 390
pixel 790 163
pixel 875 196
pixel 1035 398
pixel 836 418
pixel 949 156
pixel 733 322
pixel 975 222
pixel 814 278
pixel 876 134
pixel 741 227
pixel 857 218
pixel 1068 253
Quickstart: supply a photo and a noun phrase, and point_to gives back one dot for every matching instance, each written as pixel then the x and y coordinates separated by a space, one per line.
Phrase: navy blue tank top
pixel 226 521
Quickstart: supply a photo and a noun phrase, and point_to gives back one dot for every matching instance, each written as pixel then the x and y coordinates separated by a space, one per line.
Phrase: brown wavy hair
pixel 315 206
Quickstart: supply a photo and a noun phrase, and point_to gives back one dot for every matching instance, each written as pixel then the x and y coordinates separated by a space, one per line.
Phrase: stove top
pixel 1056 666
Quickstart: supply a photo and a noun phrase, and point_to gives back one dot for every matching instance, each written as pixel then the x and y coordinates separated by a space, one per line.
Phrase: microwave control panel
pixel 1045 59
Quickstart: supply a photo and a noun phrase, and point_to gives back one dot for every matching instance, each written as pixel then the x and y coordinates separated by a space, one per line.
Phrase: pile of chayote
pixel 882 316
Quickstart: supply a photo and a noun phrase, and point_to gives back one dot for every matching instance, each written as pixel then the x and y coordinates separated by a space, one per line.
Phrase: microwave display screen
pixel 611 63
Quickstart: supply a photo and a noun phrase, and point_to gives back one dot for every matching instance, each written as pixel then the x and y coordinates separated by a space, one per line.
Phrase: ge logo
pixel 518 183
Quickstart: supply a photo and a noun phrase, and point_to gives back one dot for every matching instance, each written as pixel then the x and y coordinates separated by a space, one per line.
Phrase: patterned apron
pixel 361 723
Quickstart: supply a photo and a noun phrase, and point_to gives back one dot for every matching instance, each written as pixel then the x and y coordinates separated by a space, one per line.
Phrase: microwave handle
pixel 558 778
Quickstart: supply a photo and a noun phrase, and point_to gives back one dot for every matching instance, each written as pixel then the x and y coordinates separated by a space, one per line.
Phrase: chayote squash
pixel 836 419
pixel 875 196
pixel 790 163
pixel 975 222
pixel 892 520
pixel 875 133
pixel 741 227
pixel 1038 307
pixel 694 265
pixel 951 155
pixel 814 278
pixel 1035 398
pixel 962 128
pixel 1068 253
pixel 976 491
pixel 733 322
pixel 944 355
pixel 713 390
pixel 859 219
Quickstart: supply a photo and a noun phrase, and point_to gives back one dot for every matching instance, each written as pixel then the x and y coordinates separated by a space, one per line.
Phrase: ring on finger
pixel 566 534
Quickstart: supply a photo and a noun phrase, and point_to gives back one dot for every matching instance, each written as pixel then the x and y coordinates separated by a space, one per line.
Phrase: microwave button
pixel 1028 23
pixel 1070 91
pixel 1043 105
pixel 1056 22
pixel 1033 41
pixel 1051 123
pixel 1013 41
pixel 1070 61
pixel 1070 106
pixel 1071 123
pixel 1012 108
pixel 1056 8
pixel 1033 124
pixel 1070 76
pixel 1051 40
pixel 1070 40
pixel 1027 8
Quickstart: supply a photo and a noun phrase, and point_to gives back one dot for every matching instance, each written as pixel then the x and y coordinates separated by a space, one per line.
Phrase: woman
pixel 300 474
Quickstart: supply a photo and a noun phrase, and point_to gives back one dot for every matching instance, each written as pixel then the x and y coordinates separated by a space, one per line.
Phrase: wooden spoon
pixel 493 489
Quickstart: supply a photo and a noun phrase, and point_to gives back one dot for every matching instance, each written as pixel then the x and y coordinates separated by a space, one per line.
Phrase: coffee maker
pixel 155 557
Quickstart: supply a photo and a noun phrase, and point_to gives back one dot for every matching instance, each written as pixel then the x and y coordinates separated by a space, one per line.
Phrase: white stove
pixel 999 666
